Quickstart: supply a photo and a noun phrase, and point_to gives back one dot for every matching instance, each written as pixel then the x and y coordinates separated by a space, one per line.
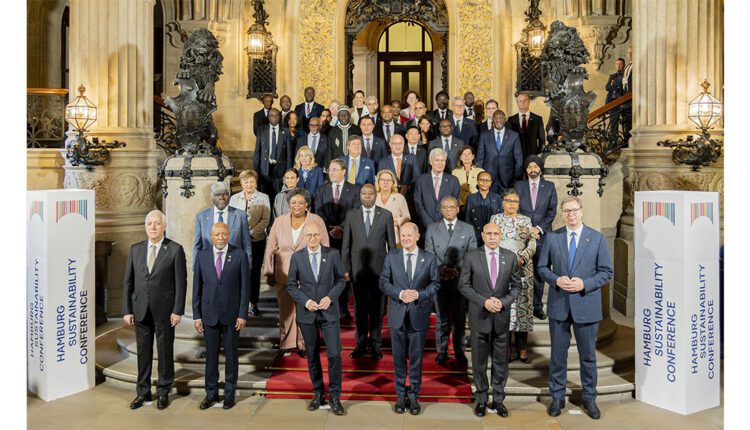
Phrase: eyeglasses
pixel 484 180
pixel 312 235
pixel 449 206
pixel 511 202
pixel 571 211
pixel 385 180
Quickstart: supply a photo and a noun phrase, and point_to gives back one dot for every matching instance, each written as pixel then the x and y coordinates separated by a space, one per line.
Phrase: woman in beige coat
pixel 284 239
pixel 389 198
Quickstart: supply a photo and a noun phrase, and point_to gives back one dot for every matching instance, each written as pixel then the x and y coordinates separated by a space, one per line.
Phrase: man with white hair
pixel 235 219
pixel 154 301
pixel 431 187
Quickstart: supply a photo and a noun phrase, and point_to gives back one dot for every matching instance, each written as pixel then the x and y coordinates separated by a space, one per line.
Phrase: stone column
pixel 111 54
pixel 676 45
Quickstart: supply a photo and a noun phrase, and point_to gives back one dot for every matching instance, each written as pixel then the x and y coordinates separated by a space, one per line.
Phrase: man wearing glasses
pixel 575 262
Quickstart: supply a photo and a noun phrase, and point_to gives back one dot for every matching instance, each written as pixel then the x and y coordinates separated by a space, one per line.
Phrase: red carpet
pixel 368 379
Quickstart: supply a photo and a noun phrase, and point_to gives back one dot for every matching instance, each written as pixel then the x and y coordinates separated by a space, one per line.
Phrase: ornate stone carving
pixel 601 34
pixel 316 59
pixel 475 65
pixel 115 192
pixel 359 13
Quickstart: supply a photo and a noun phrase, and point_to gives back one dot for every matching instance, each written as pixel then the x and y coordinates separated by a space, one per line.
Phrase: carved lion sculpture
pixel 563 52
pixel 202 62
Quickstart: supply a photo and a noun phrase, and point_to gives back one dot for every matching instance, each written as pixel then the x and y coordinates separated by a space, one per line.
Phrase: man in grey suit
pixel 315 283
pixel 154 301
pixel 431 187
pixel 410 278
pixel 575 262
pixel 235 219
pixel 491 281
pixel 449 239
pixel 368 236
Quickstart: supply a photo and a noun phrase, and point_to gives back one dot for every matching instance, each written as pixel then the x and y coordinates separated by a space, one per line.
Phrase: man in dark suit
pixel 386 127
pixel 627 76
pixel 500 154
pixel 449 239
pixel 316 141
pixel 360 170
pixel 481 205
pixel 340 134
pixel 154 301
pixel 315 283
pixel 373 147
pixel 309 109
pixel 538 202
pixel 368 236
pixel 220 211
pixel 261 117
pixel 529 126
pixel 372 109
pixel 420 109
pixel 402 165
pixel 491 282
pixel 489 109
pixel 469 105
pixel 221 293
pixel 450 144
pixel 272 155
pixel 285 102
pixel 464 129
pixel 431 187
pixel 413 147
pixel 614 83
pixel 333 200
pixel 442 100
pixel 410 278
pixel 575 262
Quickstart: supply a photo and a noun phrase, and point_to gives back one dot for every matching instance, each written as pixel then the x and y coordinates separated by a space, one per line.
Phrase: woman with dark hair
pixel 426 132
pixel 467 173
pixel 281 203
pixel 295 129
pixel 284 239
pixel 518 237
pixel 407 113
pixel 359 109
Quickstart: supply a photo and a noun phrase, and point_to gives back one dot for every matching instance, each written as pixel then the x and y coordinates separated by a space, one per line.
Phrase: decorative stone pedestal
pixel 181 210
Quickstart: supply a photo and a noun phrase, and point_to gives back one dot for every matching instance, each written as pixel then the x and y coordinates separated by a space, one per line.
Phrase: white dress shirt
pixel 409 148
pixel 578 235
pixel 223 255
pixel 442 114
pixel 364 214
pixel 538 183
pixel 225 215
pixel 415 254
pixel 318 259
pixel 488 255
pixel 158 247
pixel 458 123
pixel 502 135
pixel 453 223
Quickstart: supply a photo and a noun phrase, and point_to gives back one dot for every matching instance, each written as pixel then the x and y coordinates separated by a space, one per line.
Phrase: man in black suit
pixel 420 109
pixel 500 154
pixel 372 107
pixel 315 283
pixel 261 117
pixel 464 129
pixel 426 196
pixel 490 281
pixel 386 126
pixel 316 141
pixel 410 278
pixel 489 109
pixel 442 112
pixel 339 135
pixel 373 147
pixel 451 145
pixel 333 200
pixel 368 236
pixel 221 293
pixel 469 105
pixel 309 109
pixel 403 165
pixel 272 155
pixel 614 83
pixel 539 202
pixel 285 102
pixel 413 147
pixel 529 126
pixel 154 301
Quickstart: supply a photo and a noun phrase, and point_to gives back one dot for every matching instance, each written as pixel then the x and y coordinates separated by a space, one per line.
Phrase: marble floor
pixel 106 407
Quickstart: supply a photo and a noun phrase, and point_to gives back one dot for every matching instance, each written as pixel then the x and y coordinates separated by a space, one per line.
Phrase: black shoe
pixel 377 354
pixel 540 314
pixel 336 406
pixel 401 404
pixel 208 401
pixel 228 402
pixel 524 360
pixel 555 408
pixel 316 402
pixel 358 352
pixel 589 406
pixel 462 360
pixel 480 409
pixel 414 407
pixel 501 409
pixel 254 311
pixel 162 402
pixel 441 358
pixel 139 401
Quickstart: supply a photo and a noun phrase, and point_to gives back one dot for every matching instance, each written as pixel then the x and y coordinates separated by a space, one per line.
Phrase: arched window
pixel 404 62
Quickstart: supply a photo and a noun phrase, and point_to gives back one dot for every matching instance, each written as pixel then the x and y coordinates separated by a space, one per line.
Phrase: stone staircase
pixel 116 358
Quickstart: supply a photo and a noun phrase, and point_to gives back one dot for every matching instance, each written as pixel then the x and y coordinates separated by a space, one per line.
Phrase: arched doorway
pixel 404 61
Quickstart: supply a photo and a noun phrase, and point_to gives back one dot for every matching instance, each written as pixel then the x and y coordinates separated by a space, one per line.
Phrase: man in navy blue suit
pixel 374 147
pixel 316 280
pixel 410 278
pixel 403 165
pixel 317 142
pixel 431 187
pixel 221 293
pixel 575 262
pixel 235 219
pixel 359 169
pixel 500 154
pixel 538 202
pixel 464 128
pixel 260 117
pixel 309 109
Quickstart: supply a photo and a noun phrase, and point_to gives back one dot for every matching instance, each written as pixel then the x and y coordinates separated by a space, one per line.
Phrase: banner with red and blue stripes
pixel 80 207
pixel 698 210
pixel 664 209
pixel 37 208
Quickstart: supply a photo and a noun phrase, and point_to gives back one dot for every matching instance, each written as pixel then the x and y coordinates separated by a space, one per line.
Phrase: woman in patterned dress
pixel 517 237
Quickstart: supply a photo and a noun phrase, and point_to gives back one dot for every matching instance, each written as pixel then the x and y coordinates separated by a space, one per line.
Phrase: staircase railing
pixel 165 127
pixel 45 117
pixel 609 128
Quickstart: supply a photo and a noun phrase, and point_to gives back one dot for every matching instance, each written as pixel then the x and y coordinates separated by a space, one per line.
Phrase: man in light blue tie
pixel 576 263
pixel 448 143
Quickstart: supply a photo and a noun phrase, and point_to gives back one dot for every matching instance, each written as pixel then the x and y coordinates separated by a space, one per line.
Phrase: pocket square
pixel 367 167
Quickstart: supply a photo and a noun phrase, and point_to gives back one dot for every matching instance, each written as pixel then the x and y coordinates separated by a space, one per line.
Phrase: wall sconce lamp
pixel 81 114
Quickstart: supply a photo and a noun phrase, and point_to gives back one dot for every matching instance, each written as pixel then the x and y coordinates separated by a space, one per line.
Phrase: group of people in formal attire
pixel 412 212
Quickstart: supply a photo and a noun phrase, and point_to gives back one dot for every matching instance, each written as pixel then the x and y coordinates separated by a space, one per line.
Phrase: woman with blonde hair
pixel 389 198
pixel 310 174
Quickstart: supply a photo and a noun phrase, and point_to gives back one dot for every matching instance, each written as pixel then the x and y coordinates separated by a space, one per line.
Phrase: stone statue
pixel 260 14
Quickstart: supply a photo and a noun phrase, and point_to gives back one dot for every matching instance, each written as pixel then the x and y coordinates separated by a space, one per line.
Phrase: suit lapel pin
pixel 587 240
pixel 323 260
pixel 421 261
pixel 229 258
pixel 503 261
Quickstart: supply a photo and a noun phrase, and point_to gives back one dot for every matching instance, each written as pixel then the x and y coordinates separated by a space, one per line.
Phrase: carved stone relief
pixel 123 190
pixel 603 35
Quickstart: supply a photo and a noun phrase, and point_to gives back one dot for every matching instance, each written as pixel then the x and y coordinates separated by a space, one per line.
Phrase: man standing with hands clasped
pixel 221 293
pixel 491 282
pixel 575 262
pixel 316 279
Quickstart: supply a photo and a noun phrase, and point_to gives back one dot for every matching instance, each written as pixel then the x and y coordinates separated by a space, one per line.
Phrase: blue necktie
pixel 497 141
pixel 447 147
pixel 221 216
pixel 314 143
pixel 273 142
pixel 409 270
pixel 572 251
